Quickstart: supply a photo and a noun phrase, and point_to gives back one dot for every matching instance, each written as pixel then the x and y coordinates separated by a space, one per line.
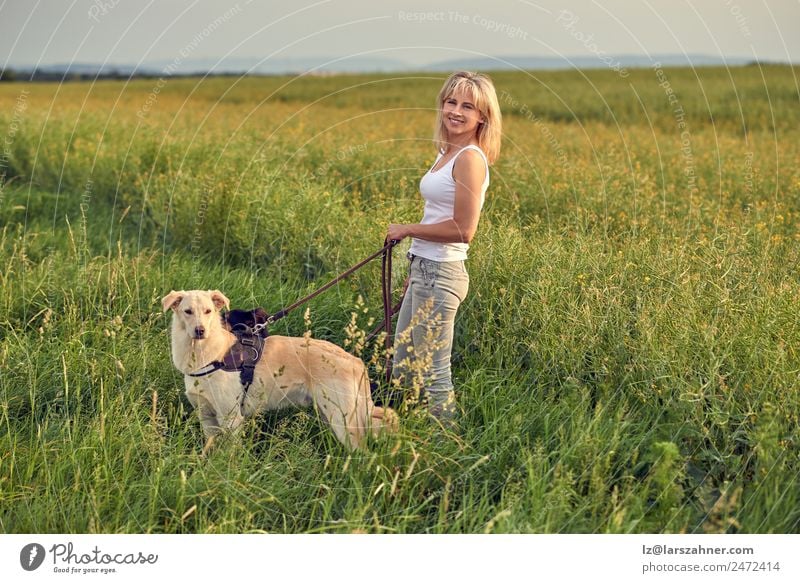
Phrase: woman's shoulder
pixel 472 155
pixel 471 160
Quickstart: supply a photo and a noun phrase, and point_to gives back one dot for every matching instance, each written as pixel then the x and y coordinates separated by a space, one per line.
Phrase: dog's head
pixel 196 311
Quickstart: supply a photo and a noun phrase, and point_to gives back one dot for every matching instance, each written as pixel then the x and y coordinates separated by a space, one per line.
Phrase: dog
pixel 292 371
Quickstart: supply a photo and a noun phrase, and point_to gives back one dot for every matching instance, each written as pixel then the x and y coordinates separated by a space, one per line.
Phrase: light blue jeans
pixel 425 325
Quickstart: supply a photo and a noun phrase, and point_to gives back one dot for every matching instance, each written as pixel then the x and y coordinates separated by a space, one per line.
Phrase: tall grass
pixel 625 360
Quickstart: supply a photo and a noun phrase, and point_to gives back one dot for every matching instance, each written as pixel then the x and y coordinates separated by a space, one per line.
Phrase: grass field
pixel 627 359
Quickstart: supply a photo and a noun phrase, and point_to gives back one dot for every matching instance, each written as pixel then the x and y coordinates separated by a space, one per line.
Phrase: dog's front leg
pixel 208 419
pixel 206 411
pixel 210 425
pixel 233 420
pixel 218 409
pixel 228 407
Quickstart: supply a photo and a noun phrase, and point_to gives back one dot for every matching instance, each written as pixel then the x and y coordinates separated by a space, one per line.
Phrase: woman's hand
pixel 397 232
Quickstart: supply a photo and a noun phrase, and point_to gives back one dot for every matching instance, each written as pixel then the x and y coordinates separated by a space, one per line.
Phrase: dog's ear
pixel 219 299
pixel 171 300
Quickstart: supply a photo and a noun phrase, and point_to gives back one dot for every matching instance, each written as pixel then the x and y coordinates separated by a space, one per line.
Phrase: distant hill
pixel 583 62
pixel 357 64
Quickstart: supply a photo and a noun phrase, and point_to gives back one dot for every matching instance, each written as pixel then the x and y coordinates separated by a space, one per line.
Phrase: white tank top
pixel 439 191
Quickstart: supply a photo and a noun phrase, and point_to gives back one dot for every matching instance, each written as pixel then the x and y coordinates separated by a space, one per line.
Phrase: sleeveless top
pixel 438 188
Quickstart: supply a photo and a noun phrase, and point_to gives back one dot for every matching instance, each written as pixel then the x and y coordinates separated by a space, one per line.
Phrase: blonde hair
pixel 482 92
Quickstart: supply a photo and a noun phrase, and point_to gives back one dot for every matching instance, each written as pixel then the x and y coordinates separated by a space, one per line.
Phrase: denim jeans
pixel 424 335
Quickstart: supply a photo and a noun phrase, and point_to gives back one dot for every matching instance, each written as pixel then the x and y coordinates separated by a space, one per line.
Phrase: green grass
pixel 626 359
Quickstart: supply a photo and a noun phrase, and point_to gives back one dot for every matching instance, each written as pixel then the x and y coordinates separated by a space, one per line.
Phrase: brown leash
pixel 386 284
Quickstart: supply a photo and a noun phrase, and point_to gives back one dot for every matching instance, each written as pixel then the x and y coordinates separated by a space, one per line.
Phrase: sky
pixel 41 32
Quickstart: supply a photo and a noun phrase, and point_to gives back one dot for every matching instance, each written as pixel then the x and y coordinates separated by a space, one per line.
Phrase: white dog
pixel 291 371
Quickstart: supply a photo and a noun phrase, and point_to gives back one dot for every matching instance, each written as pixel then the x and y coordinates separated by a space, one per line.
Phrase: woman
pixel 467 137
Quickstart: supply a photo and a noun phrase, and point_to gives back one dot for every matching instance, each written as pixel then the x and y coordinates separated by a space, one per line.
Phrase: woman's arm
pixel 469 172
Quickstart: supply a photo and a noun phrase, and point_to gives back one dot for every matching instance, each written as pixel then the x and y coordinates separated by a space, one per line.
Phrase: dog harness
pixel 245 352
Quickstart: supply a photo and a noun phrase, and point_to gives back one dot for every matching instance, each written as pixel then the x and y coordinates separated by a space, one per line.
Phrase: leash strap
pixel 382 325
pixel 386 287
pixel 386 282
pixel 215 366
pixel 386 249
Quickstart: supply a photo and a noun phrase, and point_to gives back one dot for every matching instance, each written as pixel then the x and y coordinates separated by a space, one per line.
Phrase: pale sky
pixel 417 32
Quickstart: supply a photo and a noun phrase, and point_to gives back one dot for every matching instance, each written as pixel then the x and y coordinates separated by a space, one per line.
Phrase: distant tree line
pixel 40 75
pixel 9 75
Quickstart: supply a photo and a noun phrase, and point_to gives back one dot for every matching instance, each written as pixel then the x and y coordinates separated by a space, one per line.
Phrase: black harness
pixel 250 329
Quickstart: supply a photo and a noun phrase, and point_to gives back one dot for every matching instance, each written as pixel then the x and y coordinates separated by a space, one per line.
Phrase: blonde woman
pixel 467 138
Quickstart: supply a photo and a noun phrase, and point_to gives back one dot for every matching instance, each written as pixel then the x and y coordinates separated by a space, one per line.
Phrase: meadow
pixel 626 361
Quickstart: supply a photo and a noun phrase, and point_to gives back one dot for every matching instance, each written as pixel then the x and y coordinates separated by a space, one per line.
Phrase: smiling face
pixel 197 311
pixel 460 116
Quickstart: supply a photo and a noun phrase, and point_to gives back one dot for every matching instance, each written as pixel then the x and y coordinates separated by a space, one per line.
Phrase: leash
pixel 386 287
pixel 386 250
